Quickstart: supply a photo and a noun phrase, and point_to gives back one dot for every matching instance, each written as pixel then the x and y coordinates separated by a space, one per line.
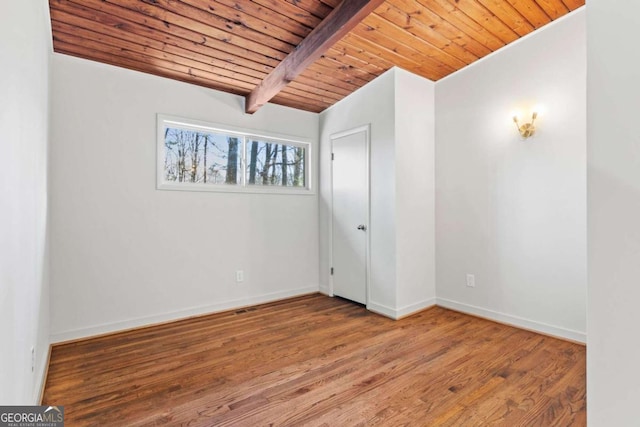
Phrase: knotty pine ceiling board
pixel 231 45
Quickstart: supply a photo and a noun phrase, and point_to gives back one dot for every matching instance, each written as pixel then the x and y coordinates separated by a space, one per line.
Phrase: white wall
pixel 24 286
pixel 125 254
pixel 374 104
pixel 400 108
pixel 513 212
pixel 613 351
pixel 415 192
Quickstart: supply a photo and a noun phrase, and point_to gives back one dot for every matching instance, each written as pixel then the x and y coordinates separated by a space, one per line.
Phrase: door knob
pixel 362 227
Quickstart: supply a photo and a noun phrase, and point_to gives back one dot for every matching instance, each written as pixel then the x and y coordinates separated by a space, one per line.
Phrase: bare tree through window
pixel 278 164
pixel 195 156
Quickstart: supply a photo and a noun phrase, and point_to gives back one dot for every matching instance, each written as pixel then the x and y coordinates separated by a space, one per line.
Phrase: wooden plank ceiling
pixel 232 45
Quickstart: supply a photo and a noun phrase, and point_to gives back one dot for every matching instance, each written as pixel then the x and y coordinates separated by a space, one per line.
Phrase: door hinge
pixel 332 271
pixel 332 156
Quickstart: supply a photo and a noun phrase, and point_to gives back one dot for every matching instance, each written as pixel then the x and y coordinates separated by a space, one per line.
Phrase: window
pixel 196 156
pixel 273 163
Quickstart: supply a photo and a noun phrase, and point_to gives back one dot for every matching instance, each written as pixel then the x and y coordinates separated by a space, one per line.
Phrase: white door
pixel 350 177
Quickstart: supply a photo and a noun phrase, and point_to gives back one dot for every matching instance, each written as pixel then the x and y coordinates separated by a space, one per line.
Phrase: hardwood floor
pixel 320 361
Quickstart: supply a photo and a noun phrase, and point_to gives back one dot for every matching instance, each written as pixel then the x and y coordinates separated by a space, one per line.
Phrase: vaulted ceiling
pixel 233 45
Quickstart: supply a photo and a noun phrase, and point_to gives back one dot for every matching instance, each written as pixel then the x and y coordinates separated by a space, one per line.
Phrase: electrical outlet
pixel 239 276
pixel 471 280
pixel 33 359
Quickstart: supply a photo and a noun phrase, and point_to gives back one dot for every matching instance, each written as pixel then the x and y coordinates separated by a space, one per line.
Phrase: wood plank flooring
pixel 320 361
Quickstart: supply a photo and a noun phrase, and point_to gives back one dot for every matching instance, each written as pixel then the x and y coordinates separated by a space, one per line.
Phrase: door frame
pixel 367 256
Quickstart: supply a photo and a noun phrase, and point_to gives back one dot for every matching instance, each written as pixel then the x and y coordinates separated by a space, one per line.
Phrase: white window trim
pixel 242 187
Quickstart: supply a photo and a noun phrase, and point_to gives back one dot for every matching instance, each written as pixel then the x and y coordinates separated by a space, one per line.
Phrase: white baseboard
pixel 325 290
pixel 381 309
pixel 519 322
pixel 111 327
pixel 410 309
pixel 43 371
pixel 399 313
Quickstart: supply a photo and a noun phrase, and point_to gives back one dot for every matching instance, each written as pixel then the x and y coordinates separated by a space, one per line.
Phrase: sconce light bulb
pixel 535 115
pixel 515 119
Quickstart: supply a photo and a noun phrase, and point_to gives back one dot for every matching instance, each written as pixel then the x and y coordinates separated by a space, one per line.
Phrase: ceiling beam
pixel 335 26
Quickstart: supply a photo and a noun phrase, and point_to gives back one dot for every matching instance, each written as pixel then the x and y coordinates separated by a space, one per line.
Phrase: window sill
pixel 222 188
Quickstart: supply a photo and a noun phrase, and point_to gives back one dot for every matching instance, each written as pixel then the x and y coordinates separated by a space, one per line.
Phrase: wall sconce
pixel 526 129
